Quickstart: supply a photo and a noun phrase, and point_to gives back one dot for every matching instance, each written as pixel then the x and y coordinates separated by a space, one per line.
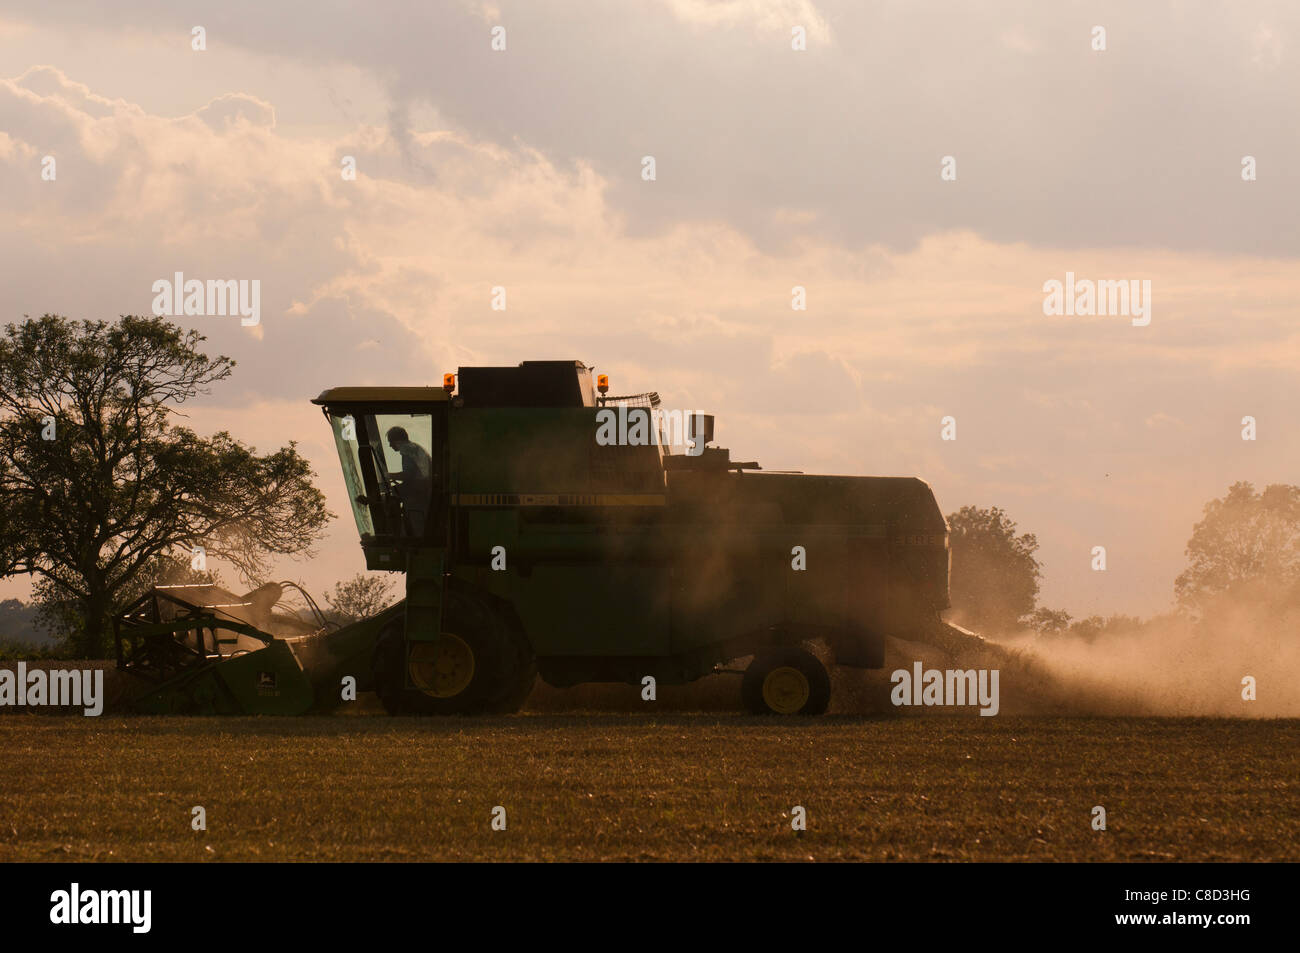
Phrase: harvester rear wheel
pixel 786 681
pixel 482 663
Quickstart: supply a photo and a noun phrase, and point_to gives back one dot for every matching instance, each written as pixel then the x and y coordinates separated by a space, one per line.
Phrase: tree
pixel 1057 623
pixel 96 483
pixel 1247 542
pixel 359 598
pixel 1046 621
pixel 994 579
pixel 23 634
pixel 20 623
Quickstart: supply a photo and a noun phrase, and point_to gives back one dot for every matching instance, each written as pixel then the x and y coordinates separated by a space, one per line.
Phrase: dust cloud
pixel 1171 665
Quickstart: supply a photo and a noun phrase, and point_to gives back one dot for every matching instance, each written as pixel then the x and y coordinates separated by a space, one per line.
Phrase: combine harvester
pixel 545 527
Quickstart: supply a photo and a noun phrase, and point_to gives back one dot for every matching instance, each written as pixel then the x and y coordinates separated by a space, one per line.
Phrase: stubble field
pixel 702 786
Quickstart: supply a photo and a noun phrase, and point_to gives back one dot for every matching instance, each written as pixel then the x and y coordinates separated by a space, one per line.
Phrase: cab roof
pixel 530 384
pixel 383 395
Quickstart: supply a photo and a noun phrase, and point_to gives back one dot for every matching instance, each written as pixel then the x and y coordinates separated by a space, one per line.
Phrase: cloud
pixel 762 16
pixel 389 278
pixel 236 108
pixel 49 83
pixel 1056 144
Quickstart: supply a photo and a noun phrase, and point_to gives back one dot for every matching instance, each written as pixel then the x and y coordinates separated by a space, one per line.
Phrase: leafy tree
pixel 20 624
pixel 994 579
pixel 96 483
pixel 359 597
pixel 1054 623
pixel 1248 542
pixel 1046 621
pixel 1094 626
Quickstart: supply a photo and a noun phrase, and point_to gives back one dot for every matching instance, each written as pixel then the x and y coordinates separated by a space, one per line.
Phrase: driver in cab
pixel 416 477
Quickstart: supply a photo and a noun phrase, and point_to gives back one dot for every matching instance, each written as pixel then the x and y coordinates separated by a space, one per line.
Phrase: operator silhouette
pixel 415 483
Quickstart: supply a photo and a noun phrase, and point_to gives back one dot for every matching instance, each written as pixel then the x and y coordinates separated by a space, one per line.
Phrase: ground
pixel 682 786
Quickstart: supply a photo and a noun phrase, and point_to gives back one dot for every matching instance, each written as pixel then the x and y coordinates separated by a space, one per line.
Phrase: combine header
pixel 201 649
pixel 544 527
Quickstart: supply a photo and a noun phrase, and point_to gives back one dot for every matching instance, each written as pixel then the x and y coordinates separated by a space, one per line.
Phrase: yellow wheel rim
pixel 786 690
pixel 443 670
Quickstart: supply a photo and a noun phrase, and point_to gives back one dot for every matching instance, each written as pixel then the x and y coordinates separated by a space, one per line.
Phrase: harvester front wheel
pixel 481 663
pixel 786 681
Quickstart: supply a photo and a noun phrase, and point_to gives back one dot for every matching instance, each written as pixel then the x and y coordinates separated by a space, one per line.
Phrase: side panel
pixel 598 609
pixel 533 451
pixel 873 551
pixel 606 556
pixel 728 580
pixel 578 525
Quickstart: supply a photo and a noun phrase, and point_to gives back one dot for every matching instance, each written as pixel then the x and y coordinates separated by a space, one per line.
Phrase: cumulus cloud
pixel 235 108
pixel 1056 144
pixel 765 16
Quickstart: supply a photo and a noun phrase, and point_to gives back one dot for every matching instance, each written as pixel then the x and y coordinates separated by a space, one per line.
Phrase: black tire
pixel 776 664
pixel 503 666
pixel 518 671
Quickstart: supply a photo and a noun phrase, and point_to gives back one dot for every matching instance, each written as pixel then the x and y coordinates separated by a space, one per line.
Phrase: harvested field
pixel 701 786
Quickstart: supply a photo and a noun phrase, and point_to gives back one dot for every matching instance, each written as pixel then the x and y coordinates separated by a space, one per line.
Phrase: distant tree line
pixel 1244 551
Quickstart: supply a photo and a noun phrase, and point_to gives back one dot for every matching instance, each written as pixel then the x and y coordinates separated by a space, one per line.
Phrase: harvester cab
pixel 392 446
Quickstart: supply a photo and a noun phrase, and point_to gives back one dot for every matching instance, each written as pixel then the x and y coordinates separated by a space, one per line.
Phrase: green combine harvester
pixel 546 528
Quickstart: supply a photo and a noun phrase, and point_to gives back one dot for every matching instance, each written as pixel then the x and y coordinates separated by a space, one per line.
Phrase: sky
pixel 821 168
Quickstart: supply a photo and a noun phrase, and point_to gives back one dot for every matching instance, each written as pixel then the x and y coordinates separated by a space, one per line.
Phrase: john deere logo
pixel 266 679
